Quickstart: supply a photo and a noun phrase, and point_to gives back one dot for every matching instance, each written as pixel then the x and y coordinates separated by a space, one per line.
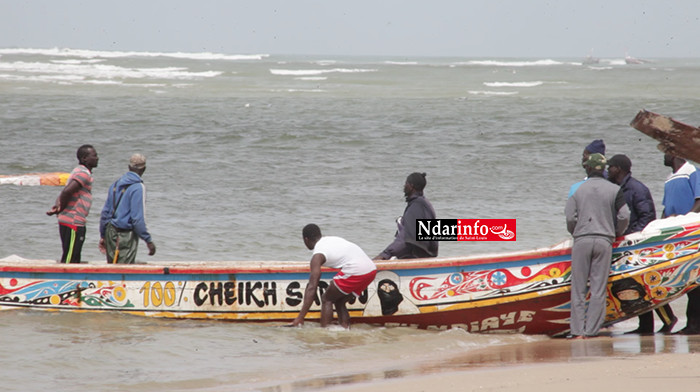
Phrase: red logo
pixel 465 230
pixel 486 229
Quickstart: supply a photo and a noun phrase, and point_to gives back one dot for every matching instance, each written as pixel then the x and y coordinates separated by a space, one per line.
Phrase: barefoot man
pixel 357 271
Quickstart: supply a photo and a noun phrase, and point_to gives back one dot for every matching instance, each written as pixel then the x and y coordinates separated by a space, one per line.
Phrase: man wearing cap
pixel 123 220
pixel 642 211
pixel 596 146
pixel 681 196
pixel 406 245
pixel 595 215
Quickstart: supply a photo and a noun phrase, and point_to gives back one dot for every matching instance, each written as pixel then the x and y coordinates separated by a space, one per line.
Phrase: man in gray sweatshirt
pixel 595 215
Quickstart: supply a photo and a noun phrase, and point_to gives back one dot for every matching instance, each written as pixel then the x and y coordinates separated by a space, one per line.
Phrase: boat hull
pixel 674 137
pixel 523 292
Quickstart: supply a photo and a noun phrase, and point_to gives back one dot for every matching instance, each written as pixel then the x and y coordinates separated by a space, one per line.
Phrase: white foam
pixel 93 61
pixel 493 92
pixel 513 84
pixel 310 72
pixel 90 54
pixel 104 71
pixel 500 63
pixel 401 62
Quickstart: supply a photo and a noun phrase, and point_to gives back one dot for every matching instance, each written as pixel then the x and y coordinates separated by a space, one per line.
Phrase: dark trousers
pixel 692 312
pixel 646 320
pixel 72 239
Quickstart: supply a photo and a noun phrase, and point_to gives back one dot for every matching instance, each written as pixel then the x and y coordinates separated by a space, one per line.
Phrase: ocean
pixel 244 150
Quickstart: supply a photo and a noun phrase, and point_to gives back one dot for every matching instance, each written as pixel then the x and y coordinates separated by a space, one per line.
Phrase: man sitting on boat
pixel 406 245
pixel 357 271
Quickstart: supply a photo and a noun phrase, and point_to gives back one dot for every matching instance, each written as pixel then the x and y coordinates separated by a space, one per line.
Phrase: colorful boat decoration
pixel 524 292
pixel 35 179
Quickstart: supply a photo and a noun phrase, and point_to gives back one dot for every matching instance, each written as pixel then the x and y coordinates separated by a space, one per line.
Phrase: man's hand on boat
pixel 297 322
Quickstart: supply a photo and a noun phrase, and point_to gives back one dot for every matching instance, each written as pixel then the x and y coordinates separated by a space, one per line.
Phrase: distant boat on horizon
pixel 633 60
pixel 591 60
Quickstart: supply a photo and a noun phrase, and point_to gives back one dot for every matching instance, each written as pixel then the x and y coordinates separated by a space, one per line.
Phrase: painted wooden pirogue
pixel 526 292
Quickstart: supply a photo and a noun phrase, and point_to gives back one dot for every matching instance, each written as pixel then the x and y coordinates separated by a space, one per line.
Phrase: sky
pixel 406 28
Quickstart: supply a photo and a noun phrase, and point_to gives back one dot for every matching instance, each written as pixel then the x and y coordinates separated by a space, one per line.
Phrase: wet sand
pixel 628 362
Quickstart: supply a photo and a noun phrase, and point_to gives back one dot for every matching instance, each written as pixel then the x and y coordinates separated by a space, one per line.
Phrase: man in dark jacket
pixel 405 245
pixel 642 211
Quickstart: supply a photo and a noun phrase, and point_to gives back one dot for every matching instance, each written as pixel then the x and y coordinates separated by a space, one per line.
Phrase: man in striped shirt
pixel 73 205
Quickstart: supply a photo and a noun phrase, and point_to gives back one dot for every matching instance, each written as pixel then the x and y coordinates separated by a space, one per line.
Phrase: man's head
pixel 87 156
pixel 311 233
pixel 137 164
pixel 415 183
pixel 595 164
pixel 595 147
pixel 619 166
pixel 673 162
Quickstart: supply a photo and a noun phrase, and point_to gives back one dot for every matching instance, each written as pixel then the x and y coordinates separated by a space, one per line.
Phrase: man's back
pixel 593 208
pixel 680 190
pixel 345 255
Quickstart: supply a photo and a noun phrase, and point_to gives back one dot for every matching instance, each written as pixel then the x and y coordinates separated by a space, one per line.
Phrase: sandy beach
pixel 618 362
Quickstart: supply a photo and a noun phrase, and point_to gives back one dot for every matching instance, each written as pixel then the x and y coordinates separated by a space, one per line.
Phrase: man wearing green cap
pixel 595 214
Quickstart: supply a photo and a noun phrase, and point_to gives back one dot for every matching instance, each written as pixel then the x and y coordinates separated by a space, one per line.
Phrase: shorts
pixel 355 284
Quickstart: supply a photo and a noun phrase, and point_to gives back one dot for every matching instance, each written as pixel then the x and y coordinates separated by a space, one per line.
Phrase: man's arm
pixel 571 213
pixel 310 293
pixel 644 207
pixel 397 247
pixel 623 213
pixel 64 197
pixel 696 206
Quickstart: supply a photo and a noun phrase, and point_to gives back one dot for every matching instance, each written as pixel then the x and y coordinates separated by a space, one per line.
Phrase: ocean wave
pixel 312 78
pixel 104 71
pixel 326 62
pixel 299 90
pixel 497 63
pixel 599 68
pixel 77 80
pixel 493 92
pixel 90 54
pixel 310 72
pixel 92 61
pixel 401 62
pixel 513 84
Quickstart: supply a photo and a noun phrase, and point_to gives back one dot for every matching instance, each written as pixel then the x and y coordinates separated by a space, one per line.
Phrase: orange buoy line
pixel 33 179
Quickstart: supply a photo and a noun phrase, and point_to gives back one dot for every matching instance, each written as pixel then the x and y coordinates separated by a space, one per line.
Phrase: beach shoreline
pixel 606 362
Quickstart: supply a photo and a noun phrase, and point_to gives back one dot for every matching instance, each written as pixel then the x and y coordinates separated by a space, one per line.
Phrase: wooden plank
pixel 675 138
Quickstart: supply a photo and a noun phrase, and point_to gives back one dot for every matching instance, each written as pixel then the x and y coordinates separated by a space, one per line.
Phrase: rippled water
pixel 243 152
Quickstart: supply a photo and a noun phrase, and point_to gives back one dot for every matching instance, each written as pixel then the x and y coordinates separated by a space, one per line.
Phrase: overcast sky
pixel 459 28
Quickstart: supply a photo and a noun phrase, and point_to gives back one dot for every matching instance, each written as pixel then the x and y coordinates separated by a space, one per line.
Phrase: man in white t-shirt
pixel 357 271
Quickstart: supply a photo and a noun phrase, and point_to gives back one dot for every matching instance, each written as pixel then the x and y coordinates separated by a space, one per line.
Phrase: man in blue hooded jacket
pixel 123 220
